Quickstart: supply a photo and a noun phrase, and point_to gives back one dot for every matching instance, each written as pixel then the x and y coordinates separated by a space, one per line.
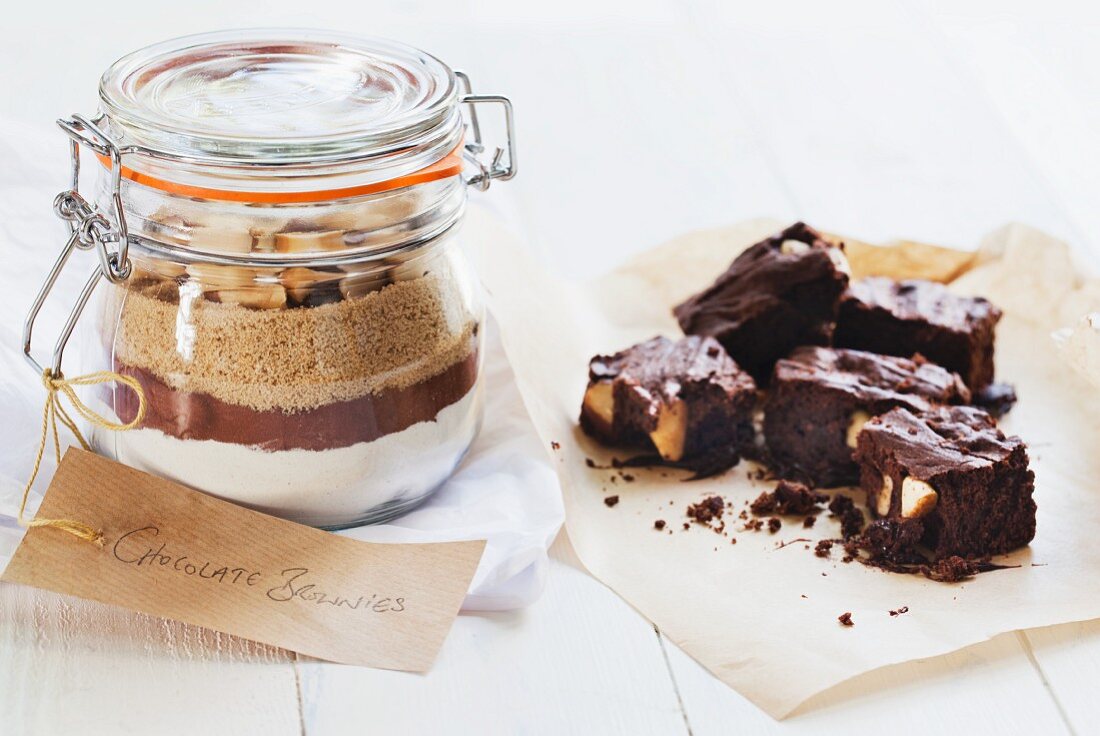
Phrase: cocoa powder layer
pixel 295 359
pixel 200 416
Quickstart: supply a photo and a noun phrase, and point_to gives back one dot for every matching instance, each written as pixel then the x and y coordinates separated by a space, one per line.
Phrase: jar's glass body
pixel 318 361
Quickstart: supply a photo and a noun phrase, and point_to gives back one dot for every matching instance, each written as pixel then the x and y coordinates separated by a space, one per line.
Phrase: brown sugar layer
pixel 200 416
pixel 294 360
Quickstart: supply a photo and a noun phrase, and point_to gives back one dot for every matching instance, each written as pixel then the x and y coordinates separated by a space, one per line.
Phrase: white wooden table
pixel 638 121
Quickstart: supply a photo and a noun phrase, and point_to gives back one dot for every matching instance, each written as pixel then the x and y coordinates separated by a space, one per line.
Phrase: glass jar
pixel 277 222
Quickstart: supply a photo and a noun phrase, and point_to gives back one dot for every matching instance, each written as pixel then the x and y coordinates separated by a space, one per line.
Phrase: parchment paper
pixel 762 618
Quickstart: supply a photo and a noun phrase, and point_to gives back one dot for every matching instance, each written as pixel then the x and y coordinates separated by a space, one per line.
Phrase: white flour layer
pixel 317 487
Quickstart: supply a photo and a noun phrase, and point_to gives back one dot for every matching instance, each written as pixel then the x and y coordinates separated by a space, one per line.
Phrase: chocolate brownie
pixel 948 478
pixel 780 293
pixel 820 397
pixel 907 317
pixel 686 399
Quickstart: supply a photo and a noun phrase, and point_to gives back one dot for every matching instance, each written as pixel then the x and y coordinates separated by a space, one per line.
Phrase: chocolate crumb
pixel 764 504
pixel 796 498
pixel 628 477
pixel 808 522
pixel 846 619
pixel 706 510
pixel 753 525
pixel 898 612
pixel 840 504
pixel 686 526
pixel 789 498
pixel 611 501
pixel 951 569
pixel 555 446
pixel 851 518
pixel 996 398
pixel 774 524
pixel 824 548
pixel 590 462
pixel 659 524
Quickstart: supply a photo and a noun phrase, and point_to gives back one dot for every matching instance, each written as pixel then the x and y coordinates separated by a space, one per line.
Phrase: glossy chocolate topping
pixel 780 293
pixel 925 301
pixel 941 440
pixel 661 367
pixel 870 377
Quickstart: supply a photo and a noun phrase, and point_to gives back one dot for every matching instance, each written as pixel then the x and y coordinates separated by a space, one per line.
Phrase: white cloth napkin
pixel 505 491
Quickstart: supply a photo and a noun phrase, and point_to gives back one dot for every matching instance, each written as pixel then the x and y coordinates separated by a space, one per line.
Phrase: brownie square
pixel 685 399
pixel 907 317
pixel 820 398
pixel 780 293
pixel 950 479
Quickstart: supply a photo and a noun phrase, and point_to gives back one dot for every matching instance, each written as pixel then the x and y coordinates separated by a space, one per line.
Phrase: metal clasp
pixel 496 167
pixel 88 229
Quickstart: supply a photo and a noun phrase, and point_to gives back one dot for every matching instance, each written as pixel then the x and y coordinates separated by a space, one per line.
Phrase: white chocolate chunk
pixel 885 496
pixel 855 425
pixel 214 277
pixel 599 405
pixel 259 296
pixel 222 240
pixel 671 431
pixel 304 242
pixel 793 247
pixel 917 498
pixel 836 255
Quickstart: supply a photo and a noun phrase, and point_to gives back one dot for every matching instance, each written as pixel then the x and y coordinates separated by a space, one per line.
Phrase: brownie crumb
pixel 846 619
pixel 611 501
pixel 706 510
pixel 590 462
pixel 996 398
pixel 796 498
pixel 659 524
pixel 789 498
pixel 824 548
pixel 686 526
pixel 851 518
pixel 840 504
pixel 753 525
pixel 808 522
pixel 764 504
pixel 628 477
pixel 774 524
pixel 555 446
pixel 951 569
pixel 899 611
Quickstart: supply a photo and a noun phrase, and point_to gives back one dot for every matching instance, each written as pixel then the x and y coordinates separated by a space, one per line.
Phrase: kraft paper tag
pixel 173 552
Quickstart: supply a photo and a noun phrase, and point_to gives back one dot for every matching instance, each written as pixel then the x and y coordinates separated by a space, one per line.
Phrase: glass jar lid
pixel 282 99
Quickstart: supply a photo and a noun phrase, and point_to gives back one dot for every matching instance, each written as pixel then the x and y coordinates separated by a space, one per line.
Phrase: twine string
pixel 57 387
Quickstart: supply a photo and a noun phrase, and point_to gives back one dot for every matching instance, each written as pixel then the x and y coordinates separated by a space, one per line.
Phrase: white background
pixel 930 119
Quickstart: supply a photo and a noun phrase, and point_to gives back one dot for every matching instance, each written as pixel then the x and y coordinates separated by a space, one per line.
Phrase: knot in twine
pixel 57 386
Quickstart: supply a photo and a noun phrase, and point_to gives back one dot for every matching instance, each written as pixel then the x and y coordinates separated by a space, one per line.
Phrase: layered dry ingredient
pixel 316 394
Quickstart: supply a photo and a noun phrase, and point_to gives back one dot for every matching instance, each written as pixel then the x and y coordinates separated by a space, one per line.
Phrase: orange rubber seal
pixel 448 166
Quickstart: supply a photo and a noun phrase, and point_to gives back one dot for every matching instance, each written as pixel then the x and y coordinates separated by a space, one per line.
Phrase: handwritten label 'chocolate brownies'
pixel 173 552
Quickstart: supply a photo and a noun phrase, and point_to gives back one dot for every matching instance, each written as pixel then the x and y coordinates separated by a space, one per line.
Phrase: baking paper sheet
pixel 763 617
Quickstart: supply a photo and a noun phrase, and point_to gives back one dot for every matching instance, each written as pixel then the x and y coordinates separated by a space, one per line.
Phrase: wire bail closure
pixel 92 229
pixel 88 229
pixel 496 168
